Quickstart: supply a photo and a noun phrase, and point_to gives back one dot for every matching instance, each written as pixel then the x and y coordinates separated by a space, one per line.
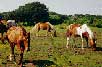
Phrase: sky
pixel 66 7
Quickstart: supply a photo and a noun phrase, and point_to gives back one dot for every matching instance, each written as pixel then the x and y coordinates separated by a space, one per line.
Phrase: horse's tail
pixel 34 28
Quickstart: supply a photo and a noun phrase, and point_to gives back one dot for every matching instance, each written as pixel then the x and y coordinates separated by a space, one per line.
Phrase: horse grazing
pixel 84 32
pixel 19 37
pixel 44 26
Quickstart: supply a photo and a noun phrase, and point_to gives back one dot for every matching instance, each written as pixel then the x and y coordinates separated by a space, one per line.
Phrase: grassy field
pixel 51 51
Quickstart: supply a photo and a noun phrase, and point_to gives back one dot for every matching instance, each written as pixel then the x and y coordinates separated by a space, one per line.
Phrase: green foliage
pixel 55 18
pixel 31 12
pixel 99 23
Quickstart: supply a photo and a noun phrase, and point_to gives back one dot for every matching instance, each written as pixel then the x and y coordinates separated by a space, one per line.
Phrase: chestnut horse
pixel 19 37
pixel 84 32
pixel 44 26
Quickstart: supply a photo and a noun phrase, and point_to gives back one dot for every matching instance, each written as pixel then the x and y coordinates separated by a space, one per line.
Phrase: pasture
pixel 52 51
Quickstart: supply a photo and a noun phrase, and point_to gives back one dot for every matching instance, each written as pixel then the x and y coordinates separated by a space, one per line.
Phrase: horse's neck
pixel 85 28
pixel 52 27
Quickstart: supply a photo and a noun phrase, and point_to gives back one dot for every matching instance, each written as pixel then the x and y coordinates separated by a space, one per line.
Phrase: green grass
pixel 51 52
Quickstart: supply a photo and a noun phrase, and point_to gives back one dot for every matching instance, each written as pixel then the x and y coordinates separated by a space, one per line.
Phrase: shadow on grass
pixel 39 63
pixel 98 48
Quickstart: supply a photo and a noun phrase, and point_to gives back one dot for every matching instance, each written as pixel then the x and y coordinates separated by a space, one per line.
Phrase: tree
pixel 31 12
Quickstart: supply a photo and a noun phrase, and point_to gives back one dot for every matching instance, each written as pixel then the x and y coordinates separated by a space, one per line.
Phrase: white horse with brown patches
pixel 84 32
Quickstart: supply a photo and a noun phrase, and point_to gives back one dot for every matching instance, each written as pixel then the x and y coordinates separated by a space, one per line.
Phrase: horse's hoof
pixel 82 48
pixel 28 50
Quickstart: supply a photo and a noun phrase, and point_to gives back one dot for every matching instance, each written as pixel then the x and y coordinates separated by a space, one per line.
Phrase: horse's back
pixel 15 33
pixel 73 26
pixel 72 29
pixel 43 26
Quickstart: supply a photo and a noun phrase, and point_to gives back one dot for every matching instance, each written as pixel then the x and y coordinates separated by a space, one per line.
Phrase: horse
pixel 19 37
pixel 84 32
pixel 44 26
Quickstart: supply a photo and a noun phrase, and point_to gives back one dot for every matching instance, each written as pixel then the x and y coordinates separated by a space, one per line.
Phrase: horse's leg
pixel 48 30
pixel 26 46
pixel 82 42
pixel 37 33
pixel 21 47
pixel 12 45
pixel 53 33
pixel 74 41
pixel 67 42
pixel 86 40
pixel 21 56
pixel 2 38
pixel 47 33
pixel 18 44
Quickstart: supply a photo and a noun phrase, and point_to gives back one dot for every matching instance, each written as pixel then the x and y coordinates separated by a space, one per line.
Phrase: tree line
pixel 34 12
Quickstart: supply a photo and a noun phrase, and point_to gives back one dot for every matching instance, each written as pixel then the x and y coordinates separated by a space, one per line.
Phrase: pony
pixel 44 26
pixel 84 32
pixel 19 37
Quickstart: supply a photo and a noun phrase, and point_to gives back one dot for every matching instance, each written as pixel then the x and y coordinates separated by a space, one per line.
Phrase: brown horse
pixel 84 32
pixel 44 26
pixel 18 36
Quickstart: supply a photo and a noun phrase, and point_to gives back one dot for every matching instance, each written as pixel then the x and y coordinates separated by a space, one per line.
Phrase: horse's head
pixel 93 41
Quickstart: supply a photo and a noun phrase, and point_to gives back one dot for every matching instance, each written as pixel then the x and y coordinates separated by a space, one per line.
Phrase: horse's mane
pixel 52 27
pixel 34 28
pixel 86 28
